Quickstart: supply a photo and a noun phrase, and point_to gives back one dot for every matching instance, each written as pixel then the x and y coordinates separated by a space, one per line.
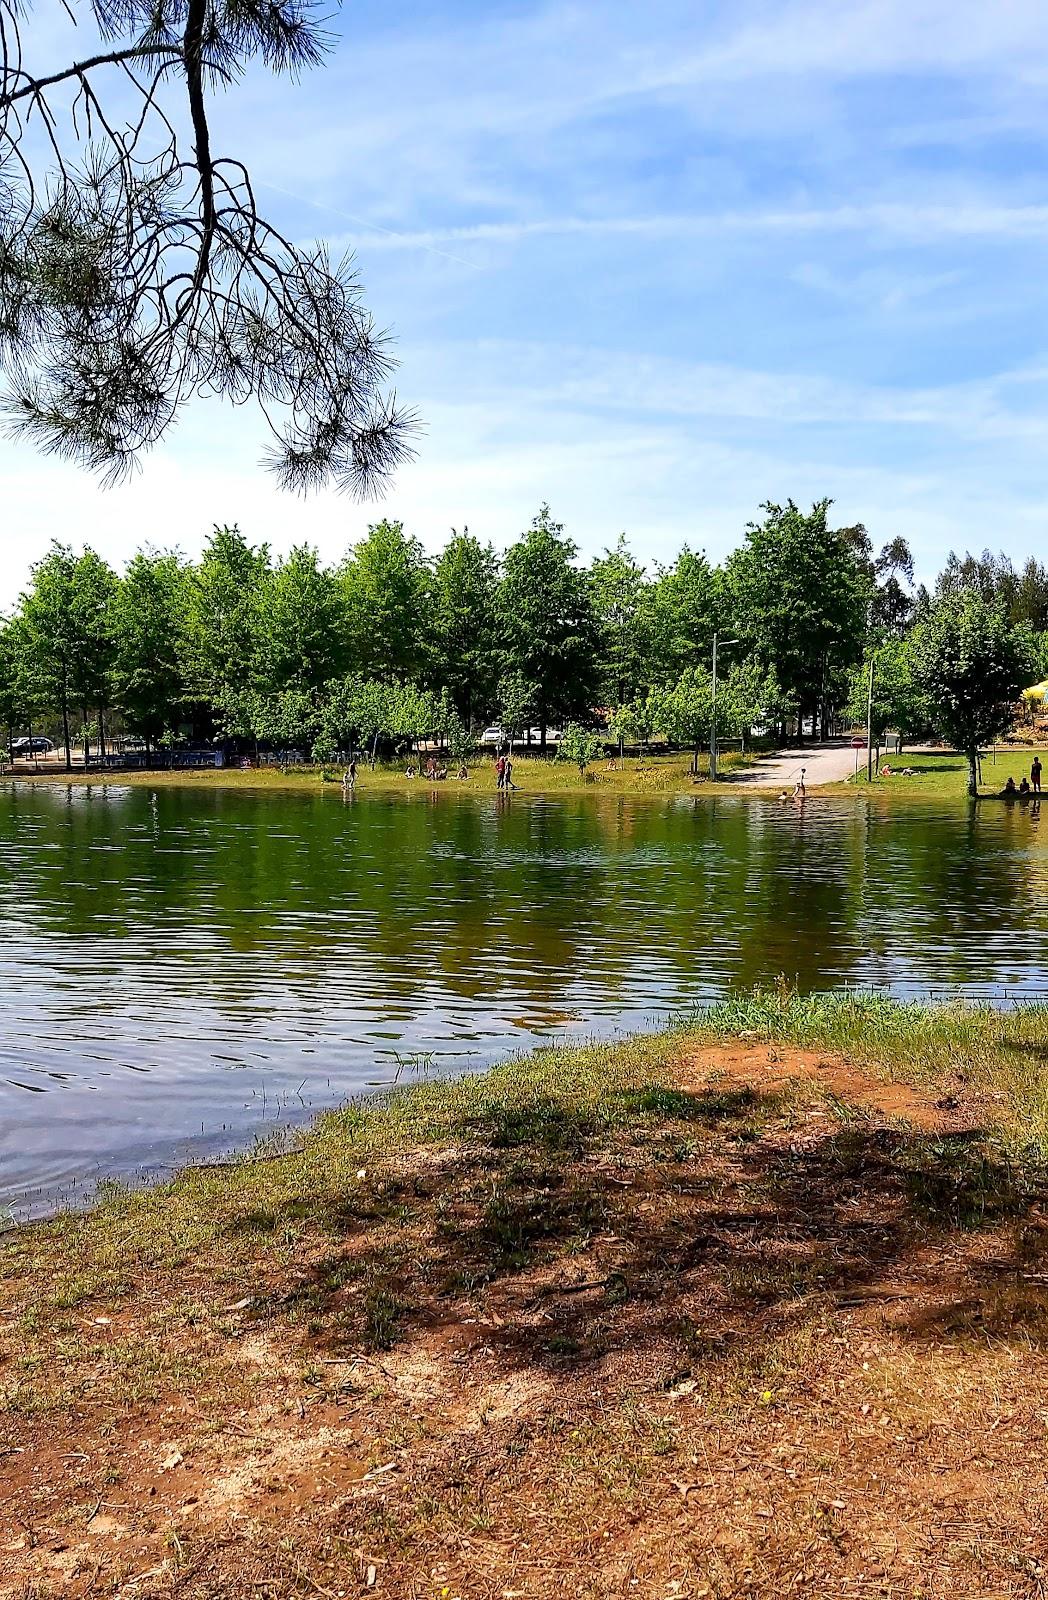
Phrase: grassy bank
pixel 636 775
pixel 943 776
pixel 757 1307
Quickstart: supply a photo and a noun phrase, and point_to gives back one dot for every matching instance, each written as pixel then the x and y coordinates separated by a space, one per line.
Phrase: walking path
pixel 823 763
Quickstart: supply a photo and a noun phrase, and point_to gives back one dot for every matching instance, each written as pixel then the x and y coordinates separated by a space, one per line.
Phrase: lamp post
pixel 717 642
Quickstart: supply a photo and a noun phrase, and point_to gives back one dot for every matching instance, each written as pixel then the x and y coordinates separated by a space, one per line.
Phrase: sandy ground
pixel 821 763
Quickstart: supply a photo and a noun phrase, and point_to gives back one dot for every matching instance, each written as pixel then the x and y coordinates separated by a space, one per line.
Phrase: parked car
pixel 31 747
pixel 530 737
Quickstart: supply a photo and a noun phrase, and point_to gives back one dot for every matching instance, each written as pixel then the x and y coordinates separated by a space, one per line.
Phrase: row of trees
pixel 958 672
pixel 391 643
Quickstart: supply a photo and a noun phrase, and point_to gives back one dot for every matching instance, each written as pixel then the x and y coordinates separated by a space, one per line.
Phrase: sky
pixel 654 265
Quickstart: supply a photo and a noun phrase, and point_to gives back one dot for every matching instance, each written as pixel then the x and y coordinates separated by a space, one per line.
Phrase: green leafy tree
pixel 892 606
pixel 354 713
pixel 10 706
pixel 617 586
pixel 679 614
pixel 898 699
pixel 459 739
pixel 683 710
pixel 581 745
pixel 549 631
pixel 636 720
pixel 801 593
pixel 224 632
pixel 288 719
pixel 971 664
pixel 748 697
pixel 465 631
pixel 148 685
pixel 96 591
pixel 385 586
pixel 517 701
pixel 303 624
pixel 67 632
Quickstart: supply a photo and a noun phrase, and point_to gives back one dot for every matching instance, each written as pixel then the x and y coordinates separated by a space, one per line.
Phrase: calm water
pixel 181 968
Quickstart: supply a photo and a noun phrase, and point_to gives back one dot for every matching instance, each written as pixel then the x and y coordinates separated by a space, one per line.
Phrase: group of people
pixel 504 772
pixel 434 772
pixel 1027 787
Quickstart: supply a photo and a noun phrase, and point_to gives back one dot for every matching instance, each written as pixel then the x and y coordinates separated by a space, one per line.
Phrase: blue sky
pixel 653 264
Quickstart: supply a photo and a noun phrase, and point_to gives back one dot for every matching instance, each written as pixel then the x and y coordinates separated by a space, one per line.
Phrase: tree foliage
pixel 801 593
pixel 970 664
pixel 392 646
pixel 547 622
pixel 136 269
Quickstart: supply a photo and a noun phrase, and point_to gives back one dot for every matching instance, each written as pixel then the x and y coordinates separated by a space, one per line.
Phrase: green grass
pixel 654 774
pixel 1000 1054
pixel 942 777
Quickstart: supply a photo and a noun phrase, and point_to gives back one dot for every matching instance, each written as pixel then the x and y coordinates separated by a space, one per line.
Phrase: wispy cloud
pixel 911 223
pixel 655 264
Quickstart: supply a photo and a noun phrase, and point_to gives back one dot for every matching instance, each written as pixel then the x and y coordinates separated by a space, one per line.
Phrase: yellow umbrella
pixel 1038 691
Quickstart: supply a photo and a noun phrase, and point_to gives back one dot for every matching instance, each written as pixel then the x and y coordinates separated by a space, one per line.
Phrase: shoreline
pixel 938 775
pixel 639 1311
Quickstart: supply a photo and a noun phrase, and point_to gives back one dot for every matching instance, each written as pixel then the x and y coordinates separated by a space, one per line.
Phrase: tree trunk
pixel 101 736
pixel 973 774
pixel 695 761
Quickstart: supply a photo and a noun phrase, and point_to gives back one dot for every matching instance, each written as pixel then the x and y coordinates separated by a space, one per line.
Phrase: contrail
pixel 376 227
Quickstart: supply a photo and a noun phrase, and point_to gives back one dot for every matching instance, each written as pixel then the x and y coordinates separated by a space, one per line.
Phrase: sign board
pixel 858 744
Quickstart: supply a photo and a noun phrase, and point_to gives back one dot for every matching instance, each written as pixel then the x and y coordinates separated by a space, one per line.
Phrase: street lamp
pixel 717 642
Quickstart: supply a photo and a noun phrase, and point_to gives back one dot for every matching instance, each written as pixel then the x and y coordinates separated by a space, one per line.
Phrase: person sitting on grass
pixel 411 772
pixel 1024 788
pixel 1009 792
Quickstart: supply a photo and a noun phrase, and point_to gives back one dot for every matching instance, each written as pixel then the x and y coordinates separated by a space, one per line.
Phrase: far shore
pixel 929 774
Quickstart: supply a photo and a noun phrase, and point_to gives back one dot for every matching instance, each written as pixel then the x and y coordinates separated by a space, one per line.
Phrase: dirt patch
pixel 767 1326
pixel 770 1069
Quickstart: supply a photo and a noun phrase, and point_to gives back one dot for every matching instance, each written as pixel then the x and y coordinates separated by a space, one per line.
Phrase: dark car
pixel 31 747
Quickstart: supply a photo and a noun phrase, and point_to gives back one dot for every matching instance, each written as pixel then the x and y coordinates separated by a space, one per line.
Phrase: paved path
pixel 822 763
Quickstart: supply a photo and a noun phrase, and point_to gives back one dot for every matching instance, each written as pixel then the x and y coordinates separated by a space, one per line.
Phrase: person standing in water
pixel 349 777
pixel 799 790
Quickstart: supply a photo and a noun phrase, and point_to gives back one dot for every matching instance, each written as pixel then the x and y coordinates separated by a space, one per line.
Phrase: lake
pixel 181 969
